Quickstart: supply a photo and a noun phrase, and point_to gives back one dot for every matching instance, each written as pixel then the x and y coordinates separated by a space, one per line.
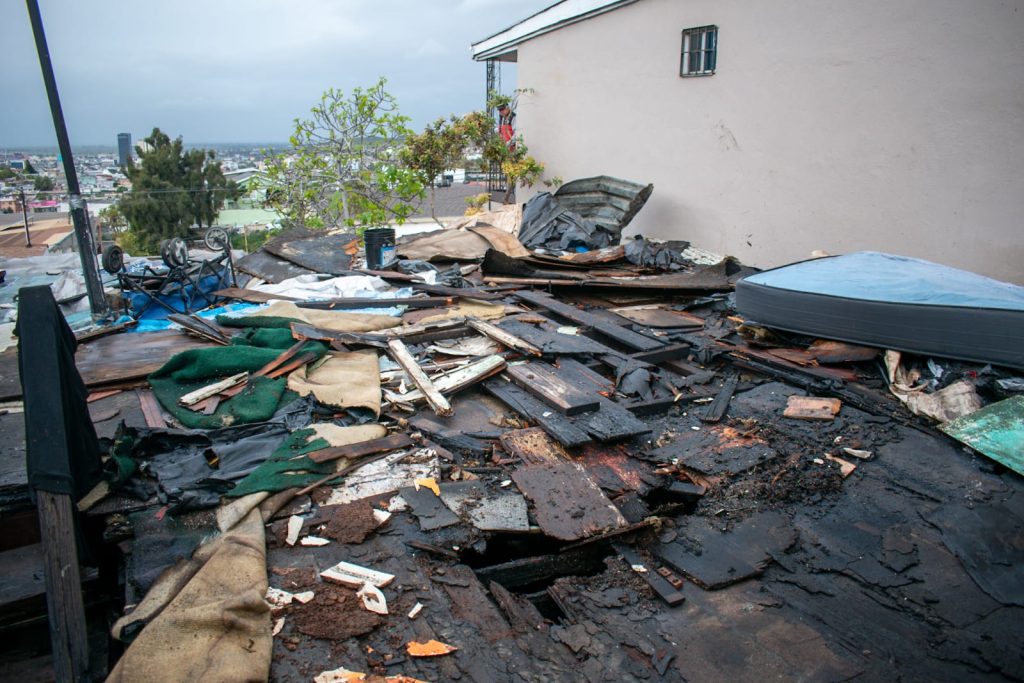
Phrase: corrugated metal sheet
pixel 609 202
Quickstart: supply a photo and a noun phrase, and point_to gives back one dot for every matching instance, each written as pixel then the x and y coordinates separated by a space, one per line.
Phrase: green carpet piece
pixel 283 470
pixel 196 368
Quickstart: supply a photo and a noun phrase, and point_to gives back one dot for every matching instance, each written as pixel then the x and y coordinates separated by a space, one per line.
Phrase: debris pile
pixel 576 466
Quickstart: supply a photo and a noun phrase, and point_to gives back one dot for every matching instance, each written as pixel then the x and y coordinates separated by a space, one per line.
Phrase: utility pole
pixel 24 214
pixel 79 212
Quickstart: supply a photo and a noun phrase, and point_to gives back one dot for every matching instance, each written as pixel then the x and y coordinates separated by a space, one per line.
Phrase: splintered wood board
pixel 541 380
pixel 812 408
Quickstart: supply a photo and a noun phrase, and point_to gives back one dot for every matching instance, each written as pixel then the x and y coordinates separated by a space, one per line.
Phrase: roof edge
pixel 550 19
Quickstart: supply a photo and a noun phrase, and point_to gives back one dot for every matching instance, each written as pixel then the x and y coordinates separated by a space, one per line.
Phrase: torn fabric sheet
pixel 336 321
pixel 313 286
pixel 344 380
pixel 215 625
pixel 469 308
pixel 957 400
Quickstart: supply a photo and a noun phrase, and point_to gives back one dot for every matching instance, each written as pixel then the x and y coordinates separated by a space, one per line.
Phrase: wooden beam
pixel 63 587
pixel 618 333
pixel 412 369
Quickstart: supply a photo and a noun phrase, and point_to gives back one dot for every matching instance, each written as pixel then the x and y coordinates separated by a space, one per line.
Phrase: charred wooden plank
pixel 449 438
pixel 464 292
pixel 610 421
pixel 540 568
pixel 194 325
pixel 541 380
pixel 304 331
pixel 547 338
pixel 560 427
pixel 666 352
pixel 619 334
pixel 523 616
pixel 655 316
pixel 470 604
pixel 715 410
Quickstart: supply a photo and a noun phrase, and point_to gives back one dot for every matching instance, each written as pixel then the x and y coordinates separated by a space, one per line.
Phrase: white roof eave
pixel 504 43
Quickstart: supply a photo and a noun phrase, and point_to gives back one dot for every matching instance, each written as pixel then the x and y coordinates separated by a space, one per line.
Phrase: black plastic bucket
pixel 380 247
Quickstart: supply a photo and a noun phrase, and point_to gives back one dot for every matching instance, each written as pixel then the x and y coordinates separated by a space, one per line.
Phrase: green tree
pixel 513 157
pixel 344 165
pixel 112 219
pixel 208 188
pixel 6 173
pixel 439 147
pixel 43 183
pixel 29 168
pixel 171 190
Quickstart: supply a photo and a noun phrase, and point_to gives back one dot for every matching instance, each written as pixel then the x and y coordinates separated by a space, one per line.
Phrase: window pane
pixel 712 47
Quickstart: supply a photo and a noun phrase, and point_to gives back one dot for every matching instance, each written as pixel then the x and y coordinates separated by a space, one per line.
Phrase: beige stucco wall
pixel 890 125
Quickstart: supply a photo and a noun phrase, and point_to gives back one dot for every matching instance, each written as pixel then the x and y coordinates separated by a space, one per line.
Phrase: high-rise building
pixel 124 148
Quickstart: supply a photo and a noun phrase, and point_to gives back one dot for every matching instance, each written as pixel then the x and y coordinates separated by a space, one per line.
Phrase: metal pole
pixel 79 212
pixel 24 214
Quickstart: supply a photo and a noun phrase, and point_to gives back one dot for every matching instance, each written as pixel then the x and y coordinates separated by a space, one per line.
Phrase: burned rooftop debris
pixel 547 467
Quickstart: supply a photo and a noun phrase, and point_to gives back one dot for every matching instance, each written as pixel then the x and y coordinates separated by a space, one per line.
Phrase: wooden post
pixel 63 587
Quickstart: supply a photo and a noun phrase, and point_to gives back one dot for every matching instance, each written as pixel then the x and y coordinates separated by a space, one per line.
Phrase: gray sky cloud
pixel 238 70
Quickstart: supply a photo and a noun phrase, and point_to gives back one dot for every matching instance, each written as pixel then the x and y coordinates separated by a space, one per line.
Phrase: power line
pixel 64 193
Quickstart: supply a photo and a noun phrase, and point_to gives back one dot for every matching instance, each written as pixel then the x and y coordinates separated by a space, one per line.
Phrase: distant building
pixel 46 206
pixel 10 205
pixel 124 148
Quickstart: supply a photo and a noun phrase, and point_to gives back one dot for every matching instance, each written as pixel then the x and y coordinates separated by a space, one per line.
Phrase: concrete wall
pixel 893 125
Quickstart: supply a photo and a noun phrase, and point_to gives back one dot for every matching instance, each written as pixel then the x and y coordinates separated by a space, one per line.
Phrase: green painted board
pixel 996 431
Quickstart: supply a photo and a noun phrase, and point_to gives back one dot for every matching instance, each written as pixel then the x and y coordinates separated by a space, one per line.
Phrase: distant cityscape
pixel 33 186
pixel 100 168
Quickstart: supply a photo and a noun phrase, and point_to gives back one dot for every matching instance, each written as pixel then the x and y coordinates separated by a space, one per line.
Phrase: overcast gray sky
pixel 238 70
